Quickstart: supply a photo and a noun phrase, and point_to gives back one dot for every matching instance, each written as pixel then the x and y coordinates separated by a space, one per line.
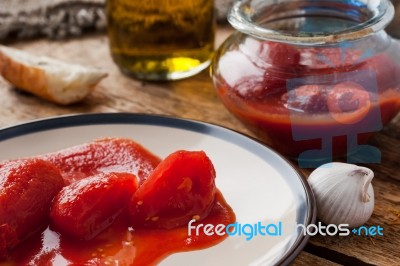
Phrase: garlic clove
pixel 343 193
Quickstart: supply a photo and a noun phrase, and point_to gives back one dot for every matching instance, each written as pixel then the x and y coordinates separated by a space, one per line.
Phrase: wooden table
pixel 194 98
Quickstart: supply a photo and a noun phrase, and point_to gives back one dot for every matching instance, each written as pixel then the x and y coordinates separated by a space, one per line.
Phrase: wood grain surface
pixel 195 98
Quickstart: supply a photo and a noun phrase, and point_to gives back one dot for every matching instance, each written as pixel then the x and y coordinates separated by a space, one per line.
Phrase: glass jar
pixel 313 79
pixel 159 39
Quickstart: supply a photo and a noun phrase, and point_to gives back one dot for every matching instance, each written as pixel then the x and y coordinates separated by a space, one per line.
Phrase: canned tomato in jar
pixel 313 79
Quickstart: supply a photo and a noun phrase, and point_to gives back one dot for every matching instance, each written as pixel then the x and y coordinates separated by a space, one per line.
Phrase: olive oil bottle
pixel 161 39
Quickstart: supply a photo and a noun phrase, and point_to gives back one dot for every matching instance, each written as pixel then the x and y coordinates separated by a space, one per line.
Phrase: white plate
pixel 258 183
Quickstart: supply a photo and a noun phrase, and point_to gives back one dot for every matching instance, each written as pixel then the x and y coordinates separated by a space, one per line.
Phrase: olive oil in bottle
pixel 161 39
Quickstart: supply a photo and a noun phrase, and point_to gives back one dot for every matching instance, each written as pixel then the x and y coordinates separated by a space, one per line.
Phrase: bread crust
pixel 33 79
pixel 27 78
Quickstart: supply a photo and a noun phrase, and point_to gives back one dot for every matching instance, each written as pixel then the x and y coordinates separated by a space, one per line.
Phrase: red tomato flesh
pixel 119 245
pixel 180 189
pixel 87 207
pixel 27 188
pixel 104 156
pixel 327 100
pixel 119 222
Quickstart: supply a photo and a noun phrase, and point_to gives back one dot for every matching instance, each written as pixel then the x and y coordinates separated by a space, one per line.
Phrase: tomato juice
pixel 119 244
pixel 299 99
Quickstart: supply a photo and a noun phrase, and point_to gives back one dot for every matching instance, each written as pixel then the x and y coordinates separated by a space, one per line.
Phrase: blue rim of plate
pixel 244 141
